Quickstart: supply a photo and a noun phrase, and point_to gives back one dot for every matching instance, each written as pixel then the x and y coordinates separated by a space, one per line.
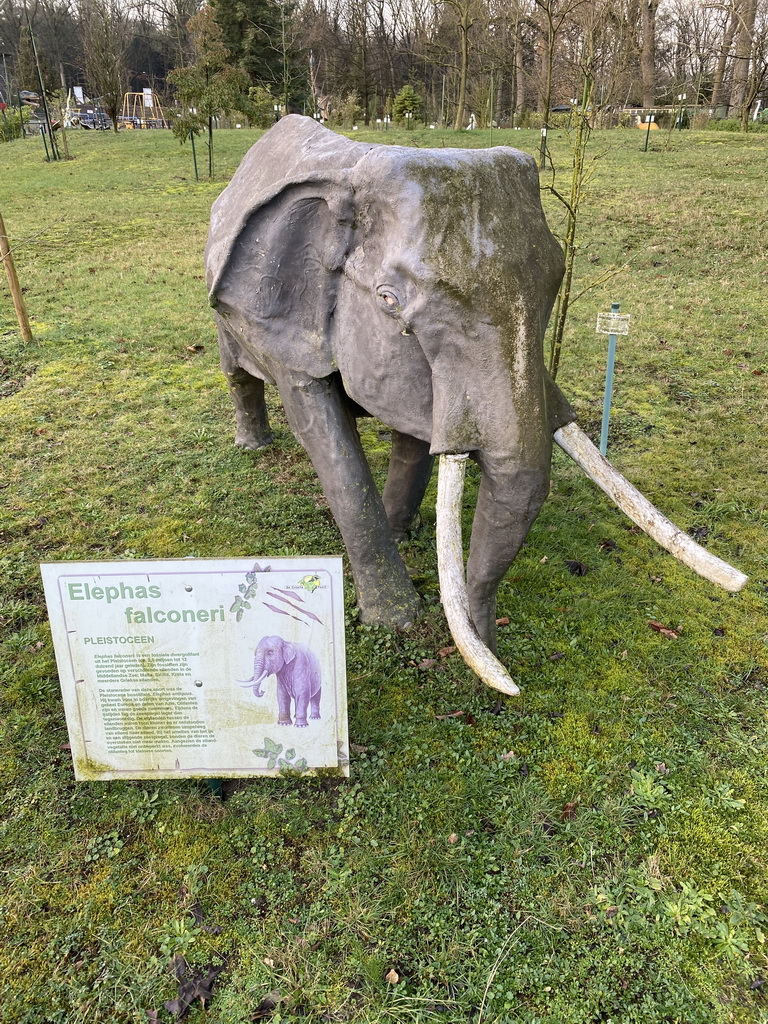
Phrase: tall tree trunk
pixel 648 10
pixel 516 62
pixel 742 59
pixel 465 24
pixel 718 93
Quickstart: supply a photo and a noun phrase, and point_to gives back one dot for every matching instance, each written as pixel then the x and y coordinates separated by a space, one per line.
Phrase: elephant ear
pixel 289 652
pixel 278 285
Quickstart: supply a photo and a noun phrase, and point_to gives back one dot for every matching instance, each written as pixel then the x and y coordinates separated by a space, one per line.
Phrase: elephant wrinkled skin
pixel 409 284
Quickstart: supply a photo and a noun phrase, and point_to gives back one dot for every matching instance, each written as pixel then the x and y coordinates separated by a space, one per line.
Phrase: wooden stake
pixel 18 299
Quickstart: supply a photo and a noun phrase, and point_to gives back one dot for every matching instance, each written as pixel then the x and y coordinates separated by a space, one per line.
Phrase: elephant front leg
pixel 300 718
pixel 320 419
pixel 410 467
pixel 283 706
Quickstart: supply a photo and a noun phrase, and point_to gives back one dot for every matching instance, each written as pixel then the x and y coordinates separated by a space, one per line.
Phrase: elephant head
pixel 271 655
pixel 412 285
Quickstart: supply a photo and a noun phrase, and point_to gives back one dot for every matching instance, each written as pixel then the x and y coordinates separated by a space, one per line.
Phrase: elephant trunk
pixel 259 673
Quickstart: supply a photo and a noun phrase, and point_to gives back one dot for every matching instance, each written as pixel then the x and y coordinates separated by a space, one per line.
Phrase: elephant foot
pixel 254 444
pixel 314 718
pixel 285 721
pixel 398 611
pixel 300 725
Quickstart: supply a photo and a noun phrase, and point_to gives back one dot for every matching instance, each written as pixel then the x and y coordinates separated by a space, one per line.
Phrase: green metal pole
pixel 194 155
pixel 54 151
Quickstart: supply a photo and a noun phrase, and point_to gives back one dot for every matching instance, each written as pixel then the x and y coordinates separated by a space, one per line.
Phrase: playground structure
pixel 142 110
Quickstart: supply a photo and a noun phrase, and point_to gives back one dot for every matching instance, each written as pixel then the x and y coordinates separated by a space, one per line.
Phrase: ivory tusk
pixel 575 443
pixel 453 587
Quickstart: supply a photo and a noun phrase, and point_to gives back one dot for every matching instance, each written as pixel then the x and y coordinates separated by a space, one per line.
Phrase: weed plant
pixel 594 850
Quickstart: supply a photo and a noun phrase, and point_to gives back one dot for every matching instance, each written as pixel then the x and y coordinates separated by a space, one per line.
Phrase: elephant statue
pixel 297 671
pixel 413 285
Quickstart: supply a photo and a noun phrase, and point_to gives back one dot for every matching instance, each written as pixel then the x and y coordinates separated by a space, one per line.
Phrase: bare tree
pixel 173 16
pixel 742 58
pixel 648 10
pixel 729 24
pixel 106 36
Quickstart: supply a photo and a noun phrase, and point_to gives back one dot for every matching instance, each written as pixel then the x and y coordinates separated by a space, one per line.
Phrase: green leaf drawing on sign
pixel 272 751
pixel 247 591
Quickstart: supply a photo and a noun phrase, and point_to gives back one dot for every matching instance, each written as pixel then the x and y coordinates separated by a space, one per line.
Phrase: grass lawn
pixel 592 851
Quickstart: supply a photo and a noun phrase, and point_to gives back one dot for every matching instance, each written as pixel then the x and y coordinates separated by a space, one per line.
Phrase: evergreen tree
pixel 407 102
pixel 252 33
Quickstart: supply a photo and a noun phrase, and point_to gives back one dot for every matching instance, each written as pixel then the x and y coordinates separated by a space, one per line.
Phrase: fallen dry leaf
pixel 268 1005
pixel 392 977
pixel 427 663
pixel 450 714
pixel 509 756
pixel 568 811
pixel 657 627
pixel 444 652
pixel 575 567
pixel 192 985
pixel 503 621
pixel 196 348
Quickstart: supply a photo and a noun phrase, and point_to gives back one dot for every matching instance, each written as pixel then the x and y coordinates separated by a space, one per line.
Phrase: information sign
pixel 612 323
pixel 201 668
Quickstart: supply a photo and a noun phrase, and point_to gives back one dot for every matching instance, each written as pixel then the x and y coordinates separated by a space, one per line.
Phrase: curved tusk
pixel 453 587
pixel 575 443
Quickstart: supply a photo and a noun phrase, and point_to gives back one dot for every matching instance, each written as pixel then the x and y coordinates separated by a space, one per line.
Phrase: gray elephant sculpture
pixel 297 671
pixel 415 286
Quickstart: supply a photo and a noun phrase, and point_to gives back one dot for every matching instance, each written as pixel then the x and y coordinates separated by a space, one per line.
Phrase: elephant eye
pixel 390 300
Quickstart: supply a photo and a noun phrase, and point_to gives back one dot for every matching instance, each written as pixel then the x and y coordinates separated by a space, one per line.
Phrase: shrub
pixel 11 122
pixel 407 101
pixel 263 112
pixel 345 113
pixel 733 124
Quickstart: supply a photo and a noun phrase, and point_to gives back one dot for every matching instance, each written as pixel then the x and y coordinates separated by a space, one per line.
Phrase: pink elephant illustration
pixel 298 678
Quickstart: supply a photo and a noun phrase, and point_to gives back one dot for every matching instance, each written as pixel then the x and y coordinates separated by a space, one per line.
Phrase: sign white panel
pixel 201 667
pixel 148 98
pixel 612 323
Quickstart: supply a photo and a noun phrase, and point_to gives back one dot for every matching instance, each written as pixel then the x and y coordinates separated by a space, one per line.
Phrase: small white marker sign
pixel 612 323
pixel 219 668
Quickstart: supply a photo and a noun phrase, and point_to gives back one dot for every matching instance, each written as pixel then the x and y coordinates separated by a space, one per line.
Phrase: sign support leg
pixel 615 307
